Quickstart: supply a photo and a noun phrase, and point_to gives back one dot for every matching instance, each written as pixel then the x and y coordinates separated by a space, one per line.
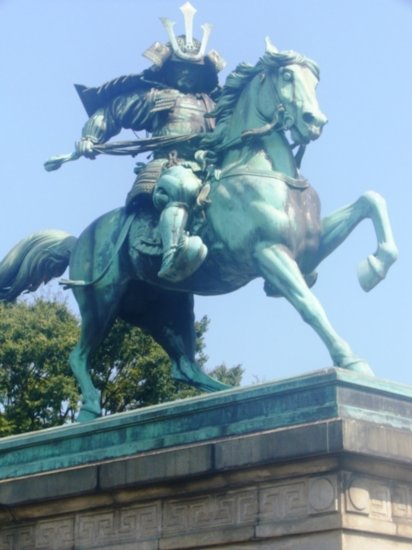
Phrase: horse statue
pixel 261 219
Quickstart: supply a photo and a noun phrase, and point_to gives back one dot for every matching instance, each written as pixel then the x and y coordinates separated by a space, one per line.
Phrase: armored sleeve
pixel 129 111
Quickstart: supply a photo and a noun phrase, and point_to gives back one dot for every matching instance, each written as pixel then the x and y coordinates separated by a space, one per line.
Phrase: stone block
pixel 49 486
pixel 320 462
pixel 355 541
pixel 277 445
pixel 152 467
pixel 320 396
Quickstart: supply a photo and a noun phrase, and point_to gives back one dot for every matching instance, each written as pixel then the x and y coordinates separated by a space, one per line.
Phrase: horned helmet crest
pixel 185 47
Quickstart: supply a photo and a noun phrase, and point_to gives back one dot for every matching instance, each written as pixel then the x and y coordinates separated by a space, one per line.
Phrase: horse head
pixel 291 79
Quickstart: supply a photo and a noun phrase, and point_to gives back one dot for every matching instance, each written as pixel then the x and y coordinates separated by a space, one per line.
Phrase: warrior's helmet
pixel 188 51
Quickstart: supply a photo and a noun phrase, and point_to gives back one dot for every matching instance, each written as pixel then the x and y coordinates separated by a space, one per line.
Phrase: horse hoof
pixel 359 366
pixel 374 269
pixel 370 273
pixel 88 413
pixel 190 373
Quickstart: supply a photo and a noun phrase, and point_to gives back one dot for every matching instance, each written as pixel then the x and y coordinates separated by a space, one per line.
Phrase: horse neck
pixel 270 152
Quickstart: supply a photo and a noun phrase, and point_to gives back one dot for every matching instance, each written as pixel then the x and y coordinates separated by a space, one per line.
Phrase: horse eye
pixel 287 76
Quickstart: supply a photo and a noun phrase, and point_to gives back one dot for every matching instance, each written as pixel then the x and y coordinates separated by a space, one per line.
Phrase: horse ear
pixel 270 47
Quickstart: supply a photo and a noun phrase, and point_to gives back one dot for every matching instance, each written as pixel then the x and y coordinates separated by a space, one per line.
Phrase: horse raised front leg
pixel 337 226
pixel 282 272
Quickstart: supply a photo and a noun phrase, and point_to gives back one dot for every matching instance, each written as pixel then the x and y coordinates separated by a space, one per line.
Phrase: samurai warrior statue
pixel 170 101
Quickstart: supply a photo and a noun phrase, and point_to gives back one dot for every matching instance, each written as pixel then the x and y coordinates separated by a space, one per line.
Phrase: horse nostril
pixel 312 120
pixel 308 118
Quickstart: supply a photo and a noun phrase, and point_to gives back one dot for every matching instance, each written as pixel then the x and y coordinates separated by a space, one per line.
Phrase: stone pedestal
pixel 322 462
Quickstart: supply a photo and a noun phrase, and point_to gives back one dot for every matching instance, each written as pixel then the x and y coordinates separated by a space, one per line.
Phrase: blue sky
pixel 364 49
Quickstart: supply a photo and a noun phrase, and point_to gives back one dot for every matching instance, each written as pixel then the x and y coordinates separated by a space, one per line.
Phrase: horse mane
pixel 236 83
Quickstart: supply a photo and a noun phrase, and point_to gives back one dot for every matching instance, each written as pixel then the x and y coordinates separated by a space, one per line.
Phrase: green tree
pixel 228 375
pixel 132 371
pixel 37 388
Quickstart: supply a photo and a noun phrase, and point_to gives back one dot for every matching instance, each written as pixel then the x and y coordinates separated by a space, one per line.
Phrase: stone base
pixel 342 479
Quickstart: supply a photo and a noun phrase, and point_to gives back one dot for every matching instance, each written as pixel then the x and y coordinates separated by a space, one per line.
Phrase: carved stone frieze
pixel 372 497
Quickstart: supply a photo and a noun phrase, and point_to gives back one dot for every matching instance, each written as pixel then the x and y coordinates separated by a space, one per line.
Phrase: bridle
pixel 283 120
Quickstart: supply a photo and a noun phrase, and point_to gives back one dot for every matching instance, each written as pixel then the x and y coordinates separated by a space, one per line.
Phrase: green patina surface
pixel 221 202
pixel 319 396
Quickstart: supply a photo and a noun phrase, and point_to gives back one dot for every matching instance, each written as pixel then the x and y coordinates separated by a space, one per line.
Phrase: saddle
pixel 144 236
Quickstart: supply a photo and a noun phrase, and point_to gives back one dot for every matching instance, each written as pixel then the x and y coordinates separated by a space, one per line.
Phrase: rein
pixel 293 183
pixel 280 108
pixel 277 124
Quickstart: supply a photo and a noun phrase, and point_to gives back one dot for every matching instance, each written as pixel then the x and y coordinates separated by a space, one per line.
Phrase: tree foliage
pixel 37 388
pixel 131 370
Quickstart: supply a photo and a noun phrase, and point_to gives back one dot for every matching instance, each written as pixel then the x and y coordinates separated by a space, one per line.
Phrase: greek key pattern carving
pixel 140 522
pixel 45 535
pixel 211 511
pixel 263 504
pixel 284 501
pixel 95 527
pixel 402 502
pixel 55 535
pixel 23 538
pixel 6 539
pixel 271 503
pixel 136 523
pixel 93 530
pixel 376 499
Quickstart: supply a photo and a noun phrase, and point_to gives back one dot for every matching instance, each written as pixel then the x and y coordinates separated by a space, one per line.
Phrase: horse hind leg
pixel 171 324
pixel 79 363
pixel 337 226
pixel 283 273
pixel 98 316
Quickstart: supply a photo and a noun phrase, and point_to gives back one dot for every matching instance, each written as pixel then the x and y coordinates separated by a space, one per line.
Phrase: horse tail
pixel 34 260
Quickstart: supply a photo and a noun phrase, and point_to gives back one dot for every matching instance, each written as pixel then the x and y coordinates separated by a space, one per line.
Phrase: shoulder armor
pixel 95 98
pixel 164 100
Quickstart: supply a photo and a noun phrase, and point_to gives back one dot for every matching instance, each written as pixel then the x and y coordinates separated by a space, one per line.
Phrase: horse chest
pixel 248 209
pixel 303 209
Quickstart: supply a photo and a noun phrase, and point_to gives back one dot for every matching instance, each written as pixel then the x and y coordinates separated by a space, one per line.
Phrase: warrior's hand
pixel 205 158
pixel 85 148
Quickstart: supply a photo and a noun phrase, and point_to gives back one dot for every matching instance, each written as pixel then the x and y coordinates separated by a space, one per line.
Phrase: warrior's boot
pixel 182 254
